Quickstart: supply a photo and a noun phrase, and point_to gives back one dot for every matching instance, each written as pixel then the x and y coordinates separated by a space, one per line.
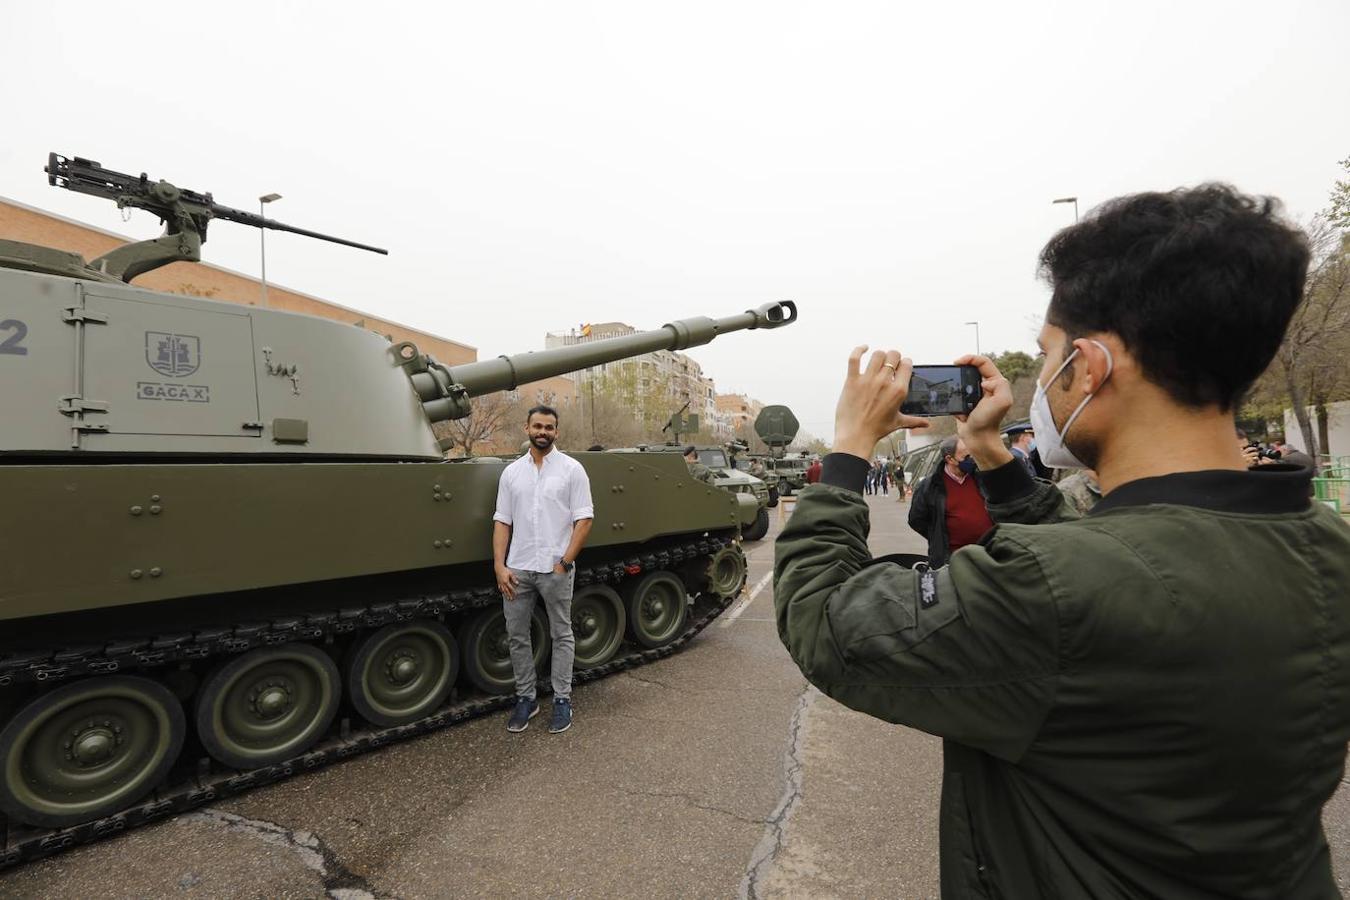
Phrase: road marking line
pixel 750 598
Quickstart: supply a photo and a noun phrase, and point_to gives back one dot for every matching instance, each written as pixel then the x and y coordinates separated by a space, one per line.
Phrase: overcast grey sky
pixel 532 166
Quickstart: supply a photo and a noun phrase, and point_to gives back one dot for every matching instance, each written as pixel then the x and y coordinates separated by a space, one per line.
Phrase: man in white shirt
pixel 543 516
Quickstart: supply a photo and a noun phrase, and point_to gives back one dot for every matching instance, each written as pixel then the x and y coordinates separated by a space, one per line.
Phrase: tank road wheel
pixel 269 705
pixel 726 572
pixel 758 529
pixel 656 608
pixel 88 749
pixel 487 649
pixel 598 620
pixel 402 672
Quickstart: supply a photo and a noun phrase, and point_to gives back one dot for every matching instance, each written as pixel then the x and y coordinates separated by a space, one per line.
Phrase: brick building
pixel 737 412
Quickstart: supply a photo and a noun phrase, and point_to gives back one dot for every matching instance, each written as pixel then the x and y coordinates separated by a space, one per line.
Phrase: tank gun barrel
pixel 185 215
pixel 445 392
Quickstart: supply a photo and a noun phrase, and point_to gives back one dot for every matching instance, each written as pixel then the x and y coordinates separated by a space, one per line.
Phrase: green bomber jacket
pixel 1152 701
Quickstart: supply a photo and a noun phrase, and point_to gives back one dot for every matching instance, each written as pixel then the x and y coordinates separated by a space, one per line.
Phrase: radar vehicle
pixel 777 427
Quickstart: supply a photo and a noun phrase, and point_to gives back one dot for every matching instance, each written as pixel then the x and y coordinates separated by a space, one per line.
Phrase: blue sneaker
pixel 526 709
pixel 562 715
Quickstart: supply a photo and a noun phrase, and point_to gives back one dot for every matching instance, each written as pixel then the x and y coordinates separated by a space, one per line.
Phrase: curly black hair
pixel 1199 283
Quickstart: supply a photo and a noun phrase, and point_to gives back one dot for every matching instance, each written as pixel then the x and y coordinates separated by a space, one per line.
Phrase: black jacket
pixel 928 513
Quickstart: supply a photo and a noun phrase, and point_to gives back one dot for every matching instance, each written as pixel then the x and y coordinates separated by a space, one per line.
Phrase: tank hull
pixel 158 580
pixel 139 534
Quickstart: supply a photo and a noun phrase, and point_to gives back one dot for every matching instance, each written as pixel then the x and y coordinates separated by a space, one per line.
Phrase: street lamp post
pixel 977 335
pixel 1074 201
pixel 262 238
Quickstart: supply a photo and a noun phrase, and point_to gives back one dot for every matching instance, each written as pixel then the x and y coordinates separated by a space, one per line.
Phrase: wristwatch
pixel 567 566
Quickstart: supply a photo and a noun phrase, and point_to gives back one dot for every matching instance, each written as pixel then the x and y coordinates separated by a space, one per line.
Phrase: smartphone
pixel 942 391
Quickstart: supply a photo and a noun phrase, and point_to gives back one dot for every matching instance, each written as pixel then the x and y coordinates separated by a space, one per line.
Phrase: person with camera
pixel 1125 711
pixel 1293 455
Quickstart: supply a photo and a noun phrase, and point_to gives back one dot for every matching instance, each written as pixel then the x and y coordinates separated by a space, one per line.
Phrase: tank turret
pixel 112 370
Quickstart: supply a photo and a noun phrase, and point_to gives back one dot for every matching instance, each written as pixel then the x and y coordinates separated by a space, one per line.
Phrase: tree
pixel 1338 213
pixel 624 405
pixel 1310 368
pixel 1021 370
pixel 491 416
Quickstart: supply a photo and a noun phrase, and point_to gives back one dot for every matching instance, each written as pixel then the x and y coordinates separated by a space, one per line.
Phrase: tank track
pixel 212 781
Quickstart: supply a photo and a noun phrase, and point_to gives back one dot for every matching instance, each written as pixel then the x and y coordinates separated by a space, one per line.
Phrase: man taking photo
pixel 1126 710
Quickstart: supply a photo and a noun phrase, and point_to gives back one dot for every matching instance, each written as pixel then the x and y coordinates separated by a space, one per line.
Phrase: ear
pixel 1095 366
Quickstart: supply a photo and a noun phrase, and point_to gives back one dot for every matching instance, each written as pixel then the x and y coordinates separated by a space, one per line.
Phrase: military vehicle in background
pixel 738 452
pixel 913 466
pixel 235 550
pixel 777 427
pixel 752 492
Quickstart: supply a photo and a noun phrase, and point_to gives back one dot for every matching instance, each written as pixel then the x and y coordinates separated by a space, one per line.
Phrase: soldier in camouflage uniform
pixel 696 468
pixel 1081 490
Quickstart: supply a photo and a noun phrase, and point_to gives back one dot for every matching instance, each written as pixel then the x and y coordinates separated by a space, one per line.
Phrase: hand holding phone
pixel 980 427
pixel 942 391
pixel 869 404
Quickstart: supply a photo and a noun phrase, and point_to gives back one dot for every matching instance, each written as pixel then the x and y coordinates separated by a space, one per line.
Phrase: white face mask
pixel 1049 439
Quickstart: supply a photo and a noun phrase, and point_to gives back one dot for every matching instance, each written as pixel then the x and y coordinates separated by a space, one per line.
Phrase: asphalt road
pixel 714 773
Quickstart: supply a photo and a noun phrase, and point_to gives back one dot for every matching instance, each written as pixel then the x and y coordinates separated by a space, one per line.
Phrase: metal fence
pixel 1332 485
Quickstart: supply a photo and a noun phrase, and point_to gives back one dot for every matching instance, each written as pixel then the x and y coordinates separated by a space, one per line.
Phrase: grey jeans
pixel 556 591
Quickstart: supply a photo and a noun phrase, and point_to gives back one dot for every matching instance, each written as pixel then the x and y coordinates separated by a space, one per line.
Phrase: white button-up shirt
pixel 541 504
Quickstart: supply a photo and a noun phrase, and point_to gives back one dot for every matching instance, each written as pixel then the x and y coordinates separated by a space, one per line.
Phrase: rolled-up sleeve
pixel 503 512
pixel 582 506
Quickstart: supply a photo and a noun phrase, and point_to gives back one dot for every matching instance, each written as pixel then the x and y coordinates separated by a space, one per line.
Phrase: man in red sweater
pixel 948 506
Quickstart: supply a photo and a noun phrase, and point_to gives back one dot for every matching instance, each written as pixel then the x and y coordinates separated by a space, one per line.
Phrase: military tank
pixel 236 551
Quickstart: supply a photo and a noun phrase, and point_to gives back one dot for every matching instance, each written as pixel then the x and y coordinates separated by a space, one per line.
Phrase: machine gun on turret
pixel 185 215
pixel 681 424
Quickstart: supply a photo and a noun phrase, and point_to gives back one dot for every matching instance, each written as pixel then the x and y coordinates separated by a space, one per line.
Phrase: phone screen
pixel 942 391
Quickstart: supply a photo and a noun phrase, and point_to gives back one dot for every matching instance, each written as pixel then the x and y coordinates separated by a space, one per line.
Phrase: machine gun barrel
pixel 179 207
pixel 445 392
pixel 257 221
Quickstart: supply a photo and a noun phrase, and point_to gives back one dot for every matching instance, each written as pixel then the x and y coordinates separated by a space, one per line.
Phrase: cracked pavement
pixel 713 773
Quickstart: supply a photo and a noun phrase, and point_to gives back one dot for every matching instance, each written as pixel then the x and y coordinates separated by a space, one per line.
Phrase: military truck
pixel 790 471
pixel 747 463
pixel 235 550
